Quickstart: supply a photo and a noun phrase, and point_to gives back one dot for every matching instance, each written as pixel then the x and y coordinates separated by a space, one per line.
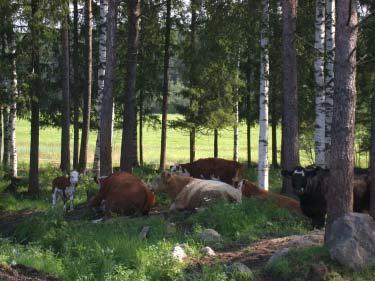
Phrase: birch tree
pixel 329 75
pixel 13 113
pixel 101 75
pixel 319 84
pixel 6 137
pixel 263 99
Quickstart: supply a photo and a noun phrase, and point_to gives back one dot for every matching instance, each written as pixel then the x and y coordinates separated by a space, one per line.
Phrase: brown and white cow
pixel 124 194
pixel 249 189
pixel 190 193
pixel 227 171
pixel 65 187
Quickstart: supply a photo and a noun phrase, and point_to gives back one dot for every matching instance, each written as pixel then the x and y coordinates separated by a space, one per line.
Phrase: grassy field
pixel 177 144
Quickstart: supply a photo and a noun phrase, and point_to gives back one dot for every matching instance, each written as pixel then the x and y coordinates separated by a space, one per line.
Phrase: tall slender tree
pixel 13 112
pixel 263 99
pixel 101 75
pixel 82 166
pixel 319 82
pixel 329 74
pixel 106 119
pixel 35 89
pixel 76 95
pixel 372 154
pixel 340 196
pixel 65 120
pixel 1 131
pixel 289 143
pixel 236 111
pixel 129 133
pixel 164 110
pixel 6 137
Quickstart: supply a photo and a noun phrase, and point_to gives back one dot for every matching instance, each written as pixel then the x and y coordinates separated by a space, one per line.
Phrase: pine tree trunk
pixel 216 143
pixel 141 128
pixel 129 133
pixel 319 84
pixel 250 82
pixel 165 88
pixel 275 165
pixel 76 96
pixel 101 75
pixel 1 133
pixel 372 156
pixel 6 138
pixel 106 120
pixel 65 124
pixel 340 193
pixel 236 114
pixel 82 166
pixel 289 143
pixel 329 74
pixel 13 171
pixel 35 88
pixel 263 99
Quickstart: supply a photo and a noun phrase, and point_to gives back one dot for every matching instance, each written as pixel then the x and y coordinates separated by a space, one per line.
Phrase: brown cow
pixel 227 171
pixel 191 193
pixel 124 194
pixel 249 189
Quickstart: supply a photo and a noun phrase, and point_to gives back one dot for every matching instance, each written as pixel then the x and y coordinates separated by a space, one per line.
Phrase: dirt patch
pixel 10 220
pixel 23 273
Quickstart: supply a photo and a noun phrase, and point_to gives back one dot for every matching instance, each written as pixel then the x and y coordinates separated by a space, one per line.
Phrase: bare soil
pixel 23 273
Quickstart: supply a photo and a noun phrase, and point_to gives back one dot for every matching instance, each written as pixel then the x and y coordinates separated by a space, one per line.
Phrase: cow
pixel 311 186
pixel 124 194
pixel 65 188
pixel 227 171
pixel 249 189
pixel 189 193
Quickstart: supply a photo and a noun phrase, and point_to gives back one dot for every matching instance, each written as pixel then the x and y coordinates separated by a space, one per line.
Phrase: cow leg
pixel 54 197
pixel 71 199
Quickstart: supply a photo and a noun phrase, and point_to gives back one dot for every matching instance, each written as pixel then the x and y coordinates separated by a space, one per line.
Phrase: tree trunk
pixel 1 133
pixel 82 166
pixel 101 75
pixel 164 109
pixel 13 115
pixel 263 99
pixel 192 73
pixel 141 128
pixel 106 120
pixel 129 133
pixel 289 143
pixel 35 89
pixel 65 124
pixel 236 113
pixel 6 138
pixel 275 165
pixel 319 84
pixel 216 143
pixel 329 74
pixel 250 82
pixel 340 193
pixel 372 156
pixel 76 96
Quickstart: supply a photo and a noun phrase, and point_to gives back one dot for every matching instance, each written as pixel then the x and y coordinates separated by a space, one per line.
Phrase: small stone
pixel 179 253
pixel 239 267
pixel 210 236
pixel 278 255
pixel 207 251
pixel 144 232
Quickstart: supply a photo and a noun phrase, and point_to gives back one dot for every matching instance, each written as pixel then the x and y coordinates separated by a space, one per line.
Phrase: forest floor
pixel 40 243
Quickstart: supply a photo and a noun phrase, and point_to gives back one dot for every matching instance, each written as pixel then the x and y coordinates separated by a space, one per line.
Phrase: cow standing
pixel 227 171
pixel 124 194
pixel 190 193
pixel 65 187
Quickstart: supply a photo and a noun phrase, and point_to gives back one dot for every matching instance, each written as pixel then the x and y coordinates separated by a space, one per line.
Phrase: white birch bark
pixel 263 99
pixel 319 84
pixel 101 75
pixel 13 115
pixel 329 73
pixel 236 112
pixel 6 137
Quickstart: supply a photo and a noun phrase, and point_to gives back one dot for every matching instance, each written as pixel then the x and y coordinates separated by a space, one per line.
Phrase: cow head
pixel 177 169
pixel 74 178
pixel 160 182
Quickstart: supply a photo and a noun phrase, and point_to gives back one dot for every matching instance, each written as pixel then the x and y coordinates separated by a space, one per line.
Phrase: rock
pixel 242 269
pixel 144 232
pixel 351 241
pixel 207 251
pixel 210 236
pixel 318 272
pixel 278 255
pixel 179 253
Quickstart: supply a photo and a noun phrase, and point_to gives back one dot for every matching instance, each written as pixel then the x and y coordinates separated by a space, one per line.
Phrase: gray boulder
pixel 210 236
pixel 243 270
pixel 351 241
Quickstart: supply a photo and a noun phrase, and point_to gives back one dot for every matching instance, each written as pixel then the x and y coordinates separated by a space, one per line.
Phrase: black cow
pixel 311 186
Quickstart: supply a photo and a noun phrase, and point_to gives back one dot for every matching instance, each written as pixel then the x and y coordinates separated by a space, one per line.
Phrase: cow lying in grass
pixel 65 187
pixel 249 189
pixel 124 194
pixel 190 193
pixel 311 186
pixel 227 171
